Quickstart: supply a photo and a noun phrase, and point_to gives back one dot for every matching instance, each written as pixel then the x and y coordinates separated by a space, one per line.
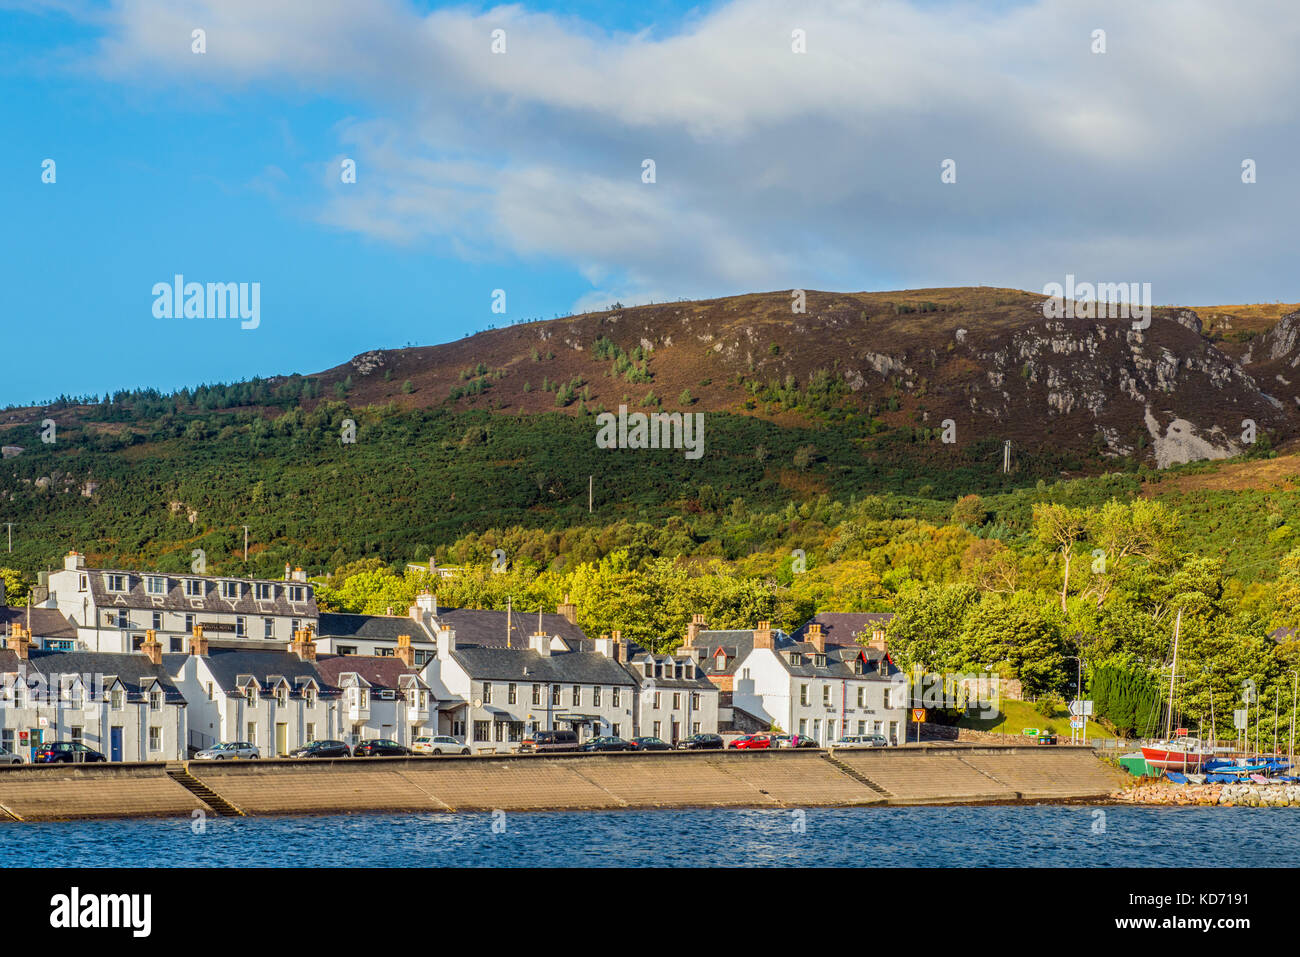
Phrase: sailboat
pixel 1176 752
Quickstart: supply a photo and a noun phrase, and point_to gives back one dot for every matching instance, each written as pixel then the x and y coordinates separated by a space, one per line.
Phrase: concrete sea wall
pixel 906 775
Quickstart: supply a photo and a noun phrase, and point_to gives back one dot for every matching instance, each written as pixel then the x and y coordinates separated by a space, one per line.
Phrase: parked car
pixel 546 741
pixel 700 742
pixel 784 741
pixel 804 741
pixel 322 749
pixel 228 750
pixel 753 742
pixel 1047 739
pixel 606 743
pixel 648 743
pixel 856 741
pixel 379 748
pixel 66 752
pixel 437 744
pixel 8 757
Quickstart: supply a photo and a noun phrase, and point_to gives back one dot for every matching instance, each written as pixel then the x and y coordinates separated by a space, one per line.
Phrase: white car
pixel 854 741
pixel 8 757
pixel 228 750
pixel 437 744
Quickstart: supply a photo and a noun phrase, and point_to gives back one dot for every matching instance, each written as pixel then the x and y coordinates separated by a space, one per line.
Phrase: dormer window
pixel 193 588
pixel 310 697
pixel 117 699
pixel 155 700
pixel 155 585
pixel 296 593
pixel 230 590
pixel 265 591
pixel 689 669
pixel 795 658
pixel 858 667
pixel 116 583
pixel 251 691
pixel 282 697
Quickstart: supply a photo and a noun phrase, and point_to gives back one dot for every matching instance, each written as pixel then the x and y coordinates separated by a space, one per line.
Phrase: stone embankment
pixel 1224 795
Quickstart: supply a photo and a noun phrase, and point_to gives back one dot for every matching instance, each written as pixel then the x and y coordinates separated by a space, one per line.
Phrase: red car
pixel 752 742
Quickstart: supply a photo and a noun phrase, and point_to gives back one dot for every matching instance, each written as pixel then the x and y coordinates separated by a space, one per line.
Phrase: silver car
pixel 228 750
pixel 8 757
pixel 855 741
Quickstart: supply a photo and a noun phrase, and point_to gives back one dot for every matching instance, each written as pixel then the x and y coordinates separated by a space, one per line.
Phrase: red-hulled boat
pixel 1177 754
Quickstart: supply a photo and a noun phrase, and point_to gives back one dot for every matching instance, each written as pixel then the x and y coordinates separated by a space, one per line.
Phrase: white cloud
pixel 777 169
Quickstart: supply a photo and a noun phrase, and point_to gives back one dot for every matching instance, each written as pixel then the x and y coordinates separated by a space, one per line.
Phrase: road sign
pixel 1076 721
pixel 1239 719
pixel 918 715
pixel 1180 732
pixel 1078 707
pixel 1031 732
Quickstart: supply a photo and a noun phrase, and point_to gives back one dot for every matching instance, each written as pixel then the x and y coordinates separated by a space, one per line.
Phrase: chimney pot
pixel 405 651
pixel 198 643
pixel 152 647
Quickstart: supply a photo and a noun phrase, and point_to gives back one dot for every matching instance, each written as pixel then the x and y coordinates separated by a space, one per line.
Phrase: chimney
pixel 198 643
pixel 878 639
pixel 427 603
pixel 299 575
pixel 816 638
pixel 19 641
pixel 540 643
pixel 446 643
pixel 404 650
pixel 304 645
pixel 73 562
pixel 620 650
pixel 568 610
pixel 693 630
pixel 287 571
pixel 763 635
pixel 605 645
pixel 152 646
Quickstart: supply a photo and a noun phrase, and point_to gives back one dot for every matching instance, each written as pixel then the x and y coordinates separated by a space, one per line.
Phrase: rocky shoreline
pixel 1224 795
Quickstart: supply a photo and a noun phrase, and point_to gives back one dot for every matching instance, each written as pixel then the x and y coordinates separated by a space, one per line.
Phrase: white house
pixel 675 698
pixel 124 705
pixel 808 687
pixel 244 691
pixel 112 609
pixel 382 696
pixel 495 695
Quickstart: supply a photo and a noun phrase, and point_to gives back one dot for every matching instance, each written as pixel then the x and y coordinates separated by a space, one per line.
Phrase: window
pixel 537 694
pixel 117 699
pixel 862 697
pixel 77 734
pixel 265 592
pixel 252 733
pixel 618 732
pixel 311 731
pixel 251 691
pixel 117 583
pixel 346 649
pixel 614 696
pixel 121 619
pixel 193 588
pixel 175 645
pixel 595 697
pixel 310 696
pixel 555 695
pixel 482 731
pixel 695 727
pixel 384 653
pixel 658 699
pixel 677 700
pixel 516 729
pixel 487 692
pixel 296 593
pixel 577 696
pixel 744 673
pixel 155 738
pixel 296 623
pixel 500 730
pixel 656 729
pixel 209 690
pixel 862 727
pixel 268 627
pixel 282 697
pixel 695 701
pixel 421 657
pixel 189 624
pixel 803 727
pixel 81 583
pixel 157 621
pixel 230 589
pixel 511 693
pixel 241 627
pixel 155 585
pixel 826 694
pixel 803 694
pixel 885 703
pixel 155 700
pixel 7 739
pixel 363 698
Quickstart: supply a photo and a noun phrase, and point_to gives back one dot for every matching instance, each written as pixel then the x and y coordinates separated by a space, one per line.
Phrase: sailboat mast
pixel 1173 672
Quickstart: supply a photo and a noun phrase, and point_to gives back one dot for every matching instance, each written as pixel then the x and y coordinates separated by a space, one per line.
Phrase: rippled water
pixel 1031 836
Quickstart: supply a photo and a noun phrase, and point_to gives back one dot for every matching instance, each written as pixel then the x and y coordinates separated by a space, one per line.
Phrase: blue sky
pixel 522 171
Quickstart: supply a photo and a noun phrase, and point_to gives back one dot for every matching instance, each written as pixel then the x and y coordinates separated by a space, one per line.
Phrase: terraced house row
pixel 155 666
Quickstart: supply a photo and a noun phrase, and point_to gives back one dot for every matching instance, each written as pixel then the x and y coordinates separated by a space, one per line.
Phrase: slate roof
pixel 229 664
pixel 175 599
pixel 371 627
pixel 486 628
pixel 569 667
pixel 737 644
pixel 842 628
pixel 667 671
pixel 380 671
pixel 46 622
pixel 135 671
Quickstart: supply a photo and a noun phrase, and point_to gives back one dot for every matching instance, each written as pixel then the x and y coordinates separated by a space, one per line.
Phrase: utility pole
pixel 1006 457
pixel 589 493
pixel 245 544
pixel 11 535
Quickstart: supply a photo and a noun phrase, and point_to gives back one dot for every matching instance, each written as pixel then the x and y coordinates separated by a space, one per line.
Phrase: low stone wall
pixel 56 792
pixel 1225 795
